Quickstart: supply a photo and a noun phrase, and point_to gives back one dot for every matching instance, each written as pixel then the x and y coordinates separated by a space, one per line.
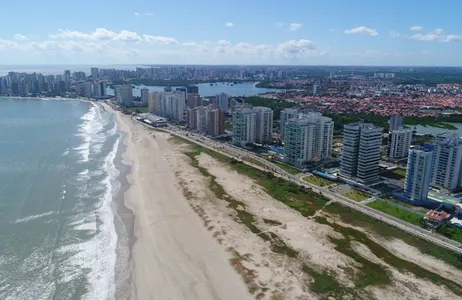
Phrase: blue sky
pixel 335 32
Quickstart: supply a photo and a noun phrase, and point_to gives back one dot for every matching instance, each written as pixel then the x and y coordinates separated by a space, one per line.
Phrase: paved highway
pixel 239 153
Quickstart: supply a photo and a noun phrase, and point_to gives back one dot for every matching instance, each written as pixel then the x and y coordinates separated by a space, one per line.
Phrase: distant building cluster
pixel 75 84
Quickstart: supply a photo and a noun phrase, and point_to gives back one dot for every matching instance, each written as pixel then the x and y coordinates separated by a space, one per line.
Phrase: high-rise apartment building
pixel 264 124
pixel 244 126
pixel 361 152
pixel 308 138
pixel 170 105
pixel 447 160
pixel 153 103
pixel 396 122
pixel 222 102
pixel 399 141
pixel 286 114
pixel 124 94
pixel 194 100
pixel 206 119
pixel 144 96
pixel 94 73
pixel 418 175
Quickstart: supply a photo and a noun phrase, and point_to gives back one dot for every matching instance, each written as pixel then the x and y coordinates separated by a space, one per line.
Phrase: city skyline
pixel 303 33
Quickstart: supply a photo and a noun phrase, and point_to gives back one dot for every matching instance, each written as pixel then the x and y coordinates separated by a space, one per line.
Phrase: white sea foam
pixel 99 253
pixel 33 217
pixel 66 152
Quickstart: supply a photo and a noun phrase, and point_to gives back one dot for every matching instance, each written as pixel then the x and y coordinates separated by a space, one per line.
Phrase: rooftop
pixel 432 195
pixel 437 215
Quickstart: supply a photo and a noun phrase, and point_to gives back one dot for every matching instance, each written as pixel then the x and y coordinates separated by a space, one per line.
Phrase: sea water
pixel 57 180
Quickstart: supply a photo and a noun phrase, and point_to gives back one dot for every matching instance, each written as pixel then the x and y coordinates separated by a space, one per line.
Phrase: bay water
pixel 57 181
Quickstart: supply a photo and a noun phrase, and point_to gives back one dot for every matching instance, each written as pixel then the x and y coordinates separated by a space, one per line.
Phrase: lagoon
pixel 207 90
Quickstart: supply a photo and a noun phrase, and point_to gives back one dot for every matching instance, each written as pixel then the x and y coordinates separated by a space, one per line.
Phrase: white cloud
pixel 8 45
pixel 293 48
pixel 436 35
pixel 99 34
pixel 362 30
pixel 224 43
pixel 136 14
pixel 295 26
pixel 416 28
pixel 279 24
pixel 159 39
pixel 19 37
pixel 149 14
pixel 229 24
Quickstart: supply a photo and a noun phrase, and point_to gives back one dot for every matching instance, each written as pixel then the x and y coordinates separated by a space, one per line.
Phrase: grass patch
pixel 287 168
pixel 374 274
pixel 317 180
pixel 272 222
pixel 397 212
pixel 399 172
pixel 357 196
pixel 138 109
pixel 255 162
pixel 358 219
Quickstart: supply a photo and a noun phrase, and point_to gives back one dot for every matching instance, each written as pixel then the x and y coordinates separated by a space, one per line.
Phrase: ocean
pixel 58 177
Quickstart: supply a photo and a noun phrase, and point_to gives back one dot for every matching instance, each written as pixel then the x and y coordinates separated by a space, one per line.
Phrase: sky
pixel 243 32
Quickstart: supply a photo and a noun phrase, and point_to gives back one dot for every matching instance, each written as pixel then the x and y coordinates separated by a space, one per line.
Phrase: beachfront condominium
pixel 418 175
pixel 222 102
pixel 206 119
pixel 399 141
pixel 124 94
pixel 144 96
pixel 361 152
pixel 396 122
pixel 308 138
pixel 167 104
pixel 286 114
pixel 264 125
pixel 194 100
pixel 153 103
pixel 447 160
pixel 244 126
pixel 100 89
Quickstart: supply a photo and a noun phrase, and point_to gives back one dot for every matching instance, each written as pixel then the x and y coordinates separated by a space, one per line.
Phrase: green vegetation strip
pixel 357 196
pixel 397 212
pixel 287 168
pixel 399 172
pixel 357 219
pixel 316 180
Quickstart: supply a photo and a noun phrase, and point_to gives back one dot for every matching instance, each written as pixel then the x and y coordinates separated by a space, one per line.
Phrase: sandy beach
pixel 174 256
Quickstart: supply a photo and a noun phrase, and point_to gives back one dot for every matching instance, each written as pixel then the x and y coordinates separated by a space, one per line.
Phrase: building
pixel 144 96
pixel 89 90
pixel 206 119
pixel 171 105
pixel 396 122
pixel 264 125
pixel 361 152
pixel 307 139
pixel 399 141
pixel 100 89
pixel 419 167
pixel 435 218
pixel 215 122
pixel 194 100
pixel 286 114
pixel 124 94
pixel 94 73
pixel 222 102
pixel 447 160
pixel 244 126
pixel 153 103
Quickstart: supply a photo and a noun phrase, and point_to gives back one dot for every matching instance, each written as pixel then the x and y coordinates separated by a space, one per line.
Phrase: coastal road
pixel 252 159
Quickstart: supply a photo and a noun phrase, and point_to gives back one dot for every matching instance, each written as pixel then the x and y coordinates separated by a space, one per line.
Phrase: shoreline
pixel 124 218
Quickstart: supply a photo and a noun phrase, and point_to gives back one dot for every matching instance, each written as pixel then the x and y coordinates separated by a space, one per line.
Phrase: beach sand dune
pixel 174 256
